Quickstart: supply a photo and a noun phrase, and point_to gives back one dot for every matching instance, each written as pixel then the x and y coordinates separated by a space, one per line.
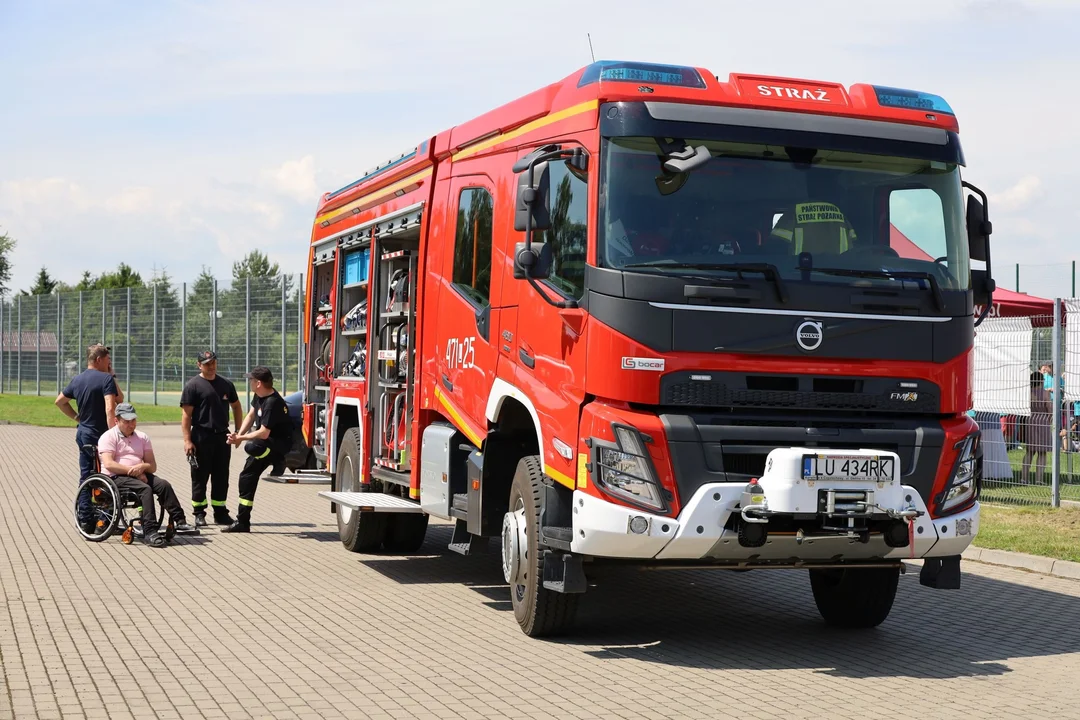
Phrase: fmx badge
pixel 639 363
pixel 905 396
pixel 809 335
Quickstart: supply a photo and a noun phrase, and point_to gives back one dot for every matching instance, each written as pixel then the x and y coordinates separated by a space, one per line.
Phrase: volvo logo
pixel 809 335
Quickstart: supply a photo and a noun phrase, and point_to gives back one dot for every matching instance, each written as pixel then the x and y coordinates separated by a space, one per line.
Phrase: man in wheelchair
pixel 127 455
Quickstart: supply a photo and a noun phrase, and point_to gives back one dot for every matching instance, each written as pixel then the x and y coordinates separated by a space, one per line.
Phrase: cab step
pixel 463 542
pixel 372 502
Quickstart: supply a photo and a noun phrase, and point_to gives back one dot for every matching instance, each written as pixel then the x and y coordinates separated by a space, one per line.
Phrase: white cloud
pixel 294 178
pixel 130 200
pixel 1018 197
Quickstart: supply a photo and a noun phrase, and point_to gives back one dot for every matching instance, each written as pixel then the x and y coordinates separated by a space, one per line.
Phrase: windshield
pixel 815 215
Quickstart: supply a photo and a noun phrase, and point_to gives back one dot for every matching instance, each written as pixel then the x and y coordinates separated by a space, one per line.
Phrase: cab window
pixel 472 245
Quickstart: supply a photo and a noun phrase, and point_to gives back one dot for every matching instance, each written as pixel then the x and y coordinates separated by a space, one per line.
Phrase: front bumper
pixel 604 529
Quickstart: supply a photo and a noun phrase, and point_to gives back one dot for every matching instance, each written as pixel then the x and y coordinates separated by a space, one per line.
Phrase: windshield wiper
pixel 935 288
pixel 768 270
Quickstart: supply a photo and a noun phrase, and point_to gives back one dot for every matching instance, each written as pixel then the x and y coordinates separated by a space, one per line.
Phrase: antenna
pixel 591 53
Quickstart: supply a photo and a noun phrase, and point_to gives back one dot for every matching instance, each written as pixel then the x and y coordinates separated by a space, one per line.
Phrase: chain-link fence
pixel 154 332
pixel 1031 447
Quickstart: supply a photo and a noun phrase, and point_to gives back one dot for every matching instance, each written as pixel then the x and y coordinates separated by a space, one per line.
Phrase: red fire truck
pixel 648 315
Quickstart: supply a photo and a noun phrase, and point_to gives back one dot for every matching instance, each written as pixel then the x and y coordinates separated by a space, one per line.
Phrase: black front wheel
pixel 855 598
pixel 539 612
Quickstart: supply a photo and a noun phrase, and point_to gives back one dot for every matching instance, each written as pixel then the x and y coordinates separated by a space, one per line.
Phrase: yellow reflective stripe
pixel 370 198
pixel 526 128
pixel 217 503
pixel 246 503
pixel 264 454
pixel 582 471
pixel 559 477
pixel 201 504
pixel 459 421
pixel 798 240
pixel 843 239
pixel 414 493
pixel 785 234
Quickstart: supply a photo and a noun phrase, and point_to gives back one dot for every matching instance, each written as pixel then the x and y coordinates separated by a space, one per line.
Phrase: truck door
pixel 466 349
pixel 551 341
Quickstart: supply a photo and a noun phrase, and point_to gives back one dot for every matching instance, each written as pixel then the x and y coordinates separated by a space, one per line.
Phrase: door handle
pixel 529 360
pixel 447 384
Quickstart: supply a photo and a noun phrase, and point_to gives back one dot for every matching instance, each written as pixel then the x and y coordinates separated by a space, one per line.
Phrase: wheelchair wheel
pixel 101 513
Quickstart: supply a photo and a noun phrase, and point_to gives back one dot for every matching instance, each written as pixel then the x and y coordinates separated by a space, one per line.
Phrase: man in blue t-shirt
pixel 96 395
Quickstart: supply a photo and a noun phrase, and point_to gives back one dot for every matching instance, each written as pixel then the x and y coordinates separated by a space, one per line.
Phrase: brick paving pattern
pixel 284 623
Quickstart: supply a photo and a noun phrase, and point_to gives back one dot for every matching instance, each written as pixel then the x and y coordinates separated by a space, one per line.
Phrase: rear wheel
pixel 539 612
pixel 855 598
pixel 100 512
pixel 359 531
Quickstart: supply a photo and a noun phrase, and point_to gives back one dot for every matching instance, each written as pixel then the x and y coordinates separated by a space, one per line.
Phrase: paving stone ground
pixel 285 623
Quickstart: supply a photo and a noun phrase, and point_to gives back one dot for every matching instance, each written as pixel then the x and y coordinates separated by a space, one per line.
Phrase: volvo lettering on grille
pixel 809 335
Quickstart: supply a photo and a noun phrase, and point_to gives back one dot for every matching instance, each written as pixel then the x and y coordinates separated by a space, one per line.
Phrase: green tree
pixel 256 265
pixel 7 245
pixel 122 277
pixel 44 284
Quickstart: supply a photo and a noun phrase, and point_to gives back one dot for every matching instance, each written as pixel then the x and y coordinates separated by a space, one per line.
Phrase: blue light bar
pixel 911 100
pixel 651 73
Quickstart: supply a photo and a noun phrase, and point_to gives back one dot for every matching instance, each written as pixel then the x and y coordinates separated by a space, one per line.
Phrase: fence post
pixel 59 342
pixel 81 348
pixel 183 332
pixel 213 320
pixel 161 365
pixel 1073 278
pixel 1017 277
pixel 104 330
pixel 127 349
pixel 284 336
pixel 3 346
pixel 37 348
pixel 247 333
pixel 153 365
pixel 300 334
pixel 1055 465
pixel 18 334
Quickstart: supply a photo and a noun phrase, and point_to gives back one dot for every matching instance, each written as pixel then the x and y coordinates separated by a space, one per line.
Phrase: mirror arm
pixel 561 304
pixel 558 152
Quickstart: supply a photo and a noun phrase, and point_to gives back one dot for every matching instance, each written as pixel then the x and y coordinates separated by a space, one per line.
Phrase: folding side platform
pixel 372 502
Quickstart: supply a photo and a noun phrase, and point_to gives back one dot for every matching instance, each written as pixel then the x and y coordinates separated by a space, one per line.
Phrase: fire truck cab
pixel 649 315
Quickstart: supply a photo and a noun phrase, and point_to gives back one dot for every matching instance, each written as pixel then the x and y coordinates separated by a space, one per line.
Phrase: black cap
pixel 206 356
pixel 262 374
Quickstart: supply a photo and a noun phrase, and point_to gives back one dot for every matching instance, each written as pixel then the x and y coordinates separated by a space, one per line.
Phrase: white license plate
pixel 858 468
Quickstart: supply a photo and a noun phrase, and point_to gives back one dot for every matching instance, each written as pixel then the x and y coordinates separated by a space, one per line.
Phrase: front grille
pixel 740 391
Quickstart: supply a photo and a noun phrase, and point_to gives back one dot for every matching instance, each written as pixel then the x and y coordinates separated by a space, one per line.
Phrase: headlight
pixel 625 470
pixel 963 485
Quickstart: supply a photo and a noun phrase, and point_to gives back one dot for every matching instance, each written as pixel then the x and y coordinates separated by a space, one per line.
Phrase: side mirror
pixel 533 199
pixel 532 261
pixel 978 229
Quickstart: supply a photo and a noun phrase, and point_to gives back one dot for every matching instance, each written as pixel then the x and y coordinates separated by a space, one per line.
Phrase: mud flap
pixel 563 573
pixel 941 573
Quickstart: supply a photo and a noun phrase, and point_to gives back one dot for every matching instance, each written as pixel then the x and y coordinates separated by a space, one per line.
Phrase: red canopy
pixel 1006 302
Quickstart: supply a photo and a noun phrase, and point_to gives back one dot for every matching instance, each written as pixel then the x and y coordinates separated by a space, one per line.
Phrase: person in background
pixel 267 436
pixel 206 400
pixel 127 455
pixel 96 396
pixel 1038 432
pixel 1047 371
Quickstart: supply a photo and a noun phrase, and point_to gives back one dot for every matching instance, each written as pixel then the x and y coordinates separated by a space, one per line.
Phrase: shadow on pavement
pixel 766 619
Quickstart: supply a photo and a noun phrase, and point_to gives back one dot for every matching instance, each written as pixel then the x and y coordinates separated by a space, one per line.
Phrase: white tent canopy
pixel 1003 366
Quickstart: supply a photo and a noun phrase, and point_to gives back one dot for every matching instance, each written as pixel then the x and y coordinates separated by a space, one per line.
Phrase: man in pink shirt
pixel 128 456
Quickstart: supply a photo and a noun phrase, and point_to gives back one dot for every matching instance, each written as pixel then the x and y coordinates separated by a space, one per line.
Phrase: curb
pixel 1033 563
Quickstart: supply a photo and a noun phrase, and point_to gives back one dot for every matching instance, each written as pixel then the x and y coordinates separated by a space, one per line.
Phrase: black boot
pixel 243 521
pixel 222 516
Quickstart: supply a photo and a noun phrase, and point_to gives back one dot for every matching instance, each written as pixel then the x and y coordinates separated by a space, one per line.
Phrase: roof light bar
pixel 651 73
pixel 911 100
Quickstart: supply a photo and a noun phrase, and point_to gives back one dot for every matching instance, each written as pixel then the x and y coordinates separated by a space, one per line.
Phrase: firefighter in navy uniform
pixel 266 435
pixel 206 400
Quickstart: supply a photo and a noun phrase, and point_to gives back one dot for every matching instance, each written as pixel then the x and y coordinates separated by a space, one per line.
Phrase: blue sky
pixel 175 134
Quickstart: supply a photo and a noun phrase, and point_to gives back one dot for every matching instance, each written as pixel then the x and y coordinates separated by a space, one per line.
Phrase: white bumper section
pixel 605 529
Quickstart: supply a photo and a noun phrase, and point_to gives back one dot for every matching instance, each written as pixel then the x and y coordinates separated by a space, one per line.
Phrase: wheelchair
pixel 109 508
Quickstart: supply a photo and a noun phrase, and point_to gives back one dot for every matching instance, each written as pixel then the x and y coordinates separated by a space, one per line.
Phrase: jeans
pixel 85 436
